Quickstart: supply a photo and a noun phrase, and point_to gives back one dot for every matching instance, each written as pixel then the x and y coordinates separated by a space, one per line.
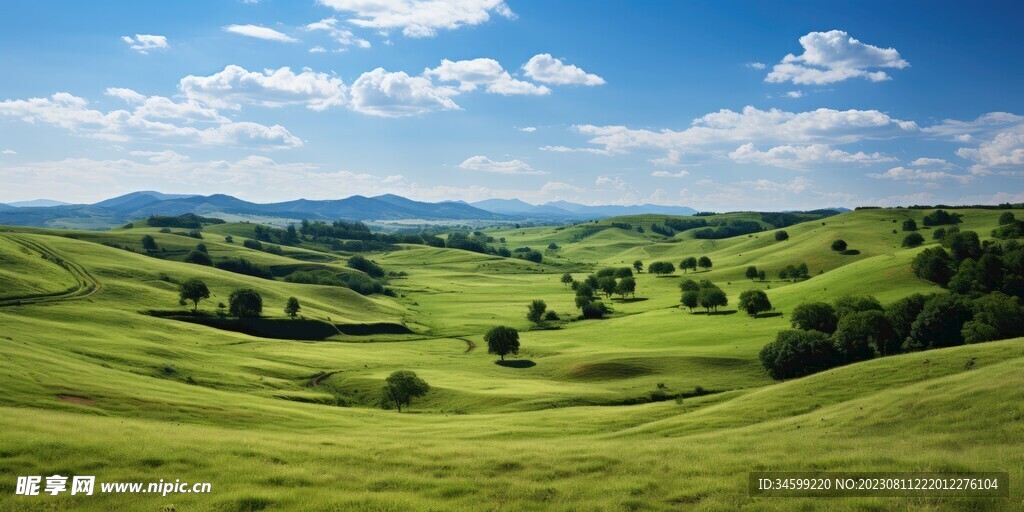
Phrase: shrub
pixel 754 302
pixel 252 244
pixel 149 243
pixel 362 264
pixel 245 303
pixel 245 267
pixel 198 257
pixel 781 236
pixel 913 240
pixel 839 245
pixel 798 353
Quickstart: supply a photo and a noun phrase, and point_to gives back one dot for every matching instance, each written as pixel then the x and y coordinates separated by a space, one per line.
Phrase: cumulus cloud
pixel 528 129
pixel 234 86
pixel 8 152
pixel 547 69
pixel 567 149
pixel 803 157
pixel 964 131
pixel 751 124
pixel 340 35
pixel 486 73
pixel 918 175
pixel 1005 149
pixel 260 32
pixel 154 118
pixel 484 164
pixel 396 94
pixel 419 18
pixel 795 94
pixel 835 56
pixel 756 65
pixel 144 43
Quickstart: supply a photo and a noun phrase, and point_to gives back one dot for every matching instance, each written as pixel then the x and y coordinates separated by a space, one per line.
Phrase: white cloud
pixel 260 32
pixel 931 162
pixel 318 49
pixel 528 129
pixel 834 56
pixel 342 36
pixel 155 118
pixel 756 65
pixel 799 185
pixel 962 131
pixel 419 18
pixel 144 43
pixel 235 86
pixel 484 164
pixel 486 73
pixel 567 149
pixel 8 152
pixel 916 175
pixel 667 174
pixel 1005 149
pixel 803 157
pixel 795 94
pixel 613 181
pixel 751 124
pixel 545 68
pixel 396 94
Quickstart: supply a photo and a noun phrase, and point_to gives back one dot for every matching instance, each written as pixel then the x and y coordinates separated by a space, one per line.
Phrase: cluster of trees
pixel 941 218
pixel 859 328
pixel 185 221
pixel 729 229
pixel 753 273
pixel 538 313
pixel 200 255
pixel 359 283
pixel 688 263
pixel 245 267
pixel 794 272
pixel 242 303
pixel 1009 227
pixel 704 294
pixel 587 290
pixel 967 266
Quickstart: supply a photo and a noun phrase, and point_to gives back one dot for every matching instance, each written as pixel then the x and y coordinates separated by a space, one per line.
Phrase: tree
pixel 193 291
pixel 245 303
pixel 401 387
pixel 688 263
pixel 909 225
pixel 687 285
pixel 594 310
pixel 712 298
pixel 1006 218
pixel 292 307
pixel 553 246
pixel 940 323
pixel 754 302
pixel 229 239
pixel 704 262
pixel 198 257
pixel 848 304
pixel 626 286
pixel 689 299
pixel 502 341
pixel 751 273
pixel 661 268
pixel 839 246
pixel 815 316
pixel 607 285
pixel 798 353
pixel 623 272
pixel 149 243
pixel 201 247
pixel 761 275
pixel 1001 314
pixel 860 336
pixel 902 313
pixel 781 236
pixel 933 264
pixel 964 245
pixel 638 266
pixel 913 240
pixel 362 264
pixel 535 311
pixel 567 279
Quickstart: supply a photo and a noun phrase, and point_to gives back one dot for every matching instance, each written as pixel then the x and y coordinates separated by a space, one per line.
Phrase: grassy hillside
pixel 281 424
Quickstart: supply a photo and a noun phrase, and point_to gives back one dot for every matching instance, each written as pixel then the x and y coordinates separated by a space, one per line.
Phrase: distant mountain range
pixel 137 205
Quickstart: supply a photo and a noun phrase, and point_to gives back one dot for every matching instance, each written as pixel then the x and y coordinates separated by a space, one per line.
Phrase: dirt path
pixel 86 284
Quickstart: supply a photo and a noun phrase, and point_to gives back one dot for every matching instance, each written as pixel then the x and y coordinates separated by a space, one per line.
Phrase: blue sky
pixel 713 105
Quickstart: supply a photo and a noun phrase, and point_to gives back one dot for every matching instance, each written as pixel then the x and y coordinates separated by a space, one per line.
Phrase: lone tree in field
pixel 909 225
pixel 1006 218
pixel 193 291
pixel 754 302
pixel 761 275
pixel 245 303
pixel 149 243
pixel 567 279
pixel 704 262
pixel 751 272
pixel 502 341
pixel 689 263
pixel 839 246
pixel 292 308
pixel 781 236
pixel 661 268
pixel 913 240
pixel 689 299
pixel 400 388
pixel 639 265
pixel 535 311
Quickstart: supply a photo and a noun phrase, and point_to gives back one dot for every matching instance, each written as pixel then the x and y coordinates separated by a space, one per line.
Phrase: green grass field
pixel 93 385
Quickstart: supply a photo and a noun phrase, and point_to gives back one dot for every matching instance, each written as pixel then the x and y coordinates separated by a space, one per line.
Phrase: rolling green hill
pixel 652 408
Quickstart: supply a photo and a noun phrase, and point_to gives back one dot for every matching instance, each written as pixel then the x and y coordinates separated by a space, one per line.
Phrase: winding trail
pixel 85 283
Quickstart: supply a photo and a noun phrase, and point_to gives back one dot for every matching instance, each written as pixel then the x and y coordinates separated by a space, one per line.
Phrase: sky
pixel 741 105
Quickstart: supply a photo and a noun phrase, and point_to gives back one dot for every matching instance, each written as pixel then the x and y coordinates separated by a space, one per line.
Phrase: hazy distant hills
pixel 137 205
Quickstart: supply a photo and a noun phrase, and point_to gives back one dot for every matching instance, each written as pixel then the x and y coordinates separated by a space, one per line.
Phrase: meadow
pixel 650 408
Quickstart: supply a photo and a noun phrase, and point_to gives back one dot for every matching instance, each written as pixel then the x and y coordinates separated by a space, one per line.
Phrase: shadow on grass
pixel 283 328
pixel 714 313
pixel 516 363
pixel 634 299
pixel 850 252
pixel 768 314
